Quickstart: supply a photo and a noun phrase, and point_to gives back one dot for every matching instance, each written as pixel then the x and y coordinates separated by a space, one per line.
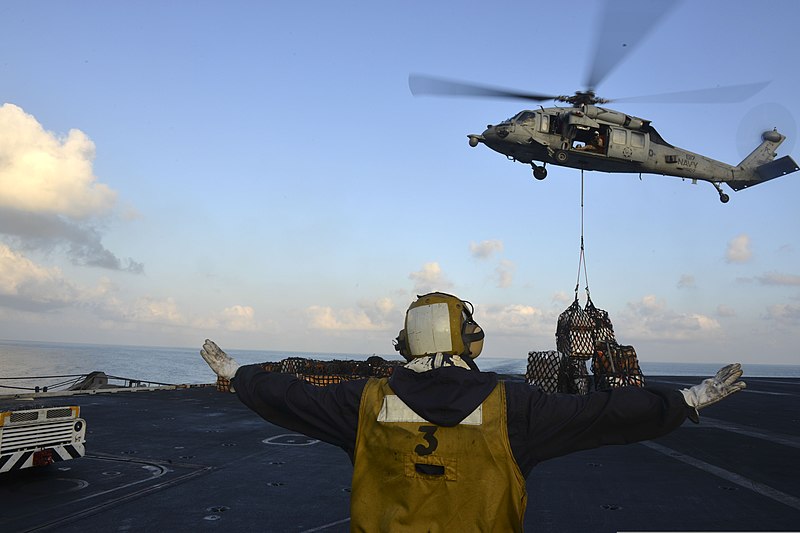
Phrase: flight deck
pixel 196 459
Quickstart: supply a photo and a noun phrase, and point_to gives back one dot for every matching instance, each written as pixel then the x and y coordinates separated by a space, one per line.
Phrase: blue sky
pixel 259 173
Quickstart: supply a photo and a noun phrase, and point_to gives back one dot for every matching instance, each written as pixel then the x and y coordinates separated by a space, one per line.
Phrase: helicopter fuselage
pixel 593 138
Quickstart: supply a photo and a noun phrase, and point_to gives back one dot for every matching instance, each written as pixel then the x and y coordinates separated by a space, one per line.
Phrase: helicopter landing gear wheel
pixel 561 156
pixel 722 196
pixel 539 173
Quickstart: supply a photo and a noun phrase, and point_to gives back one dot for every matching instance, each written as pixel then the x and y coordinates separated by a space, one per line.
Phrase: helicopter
pixel 589 137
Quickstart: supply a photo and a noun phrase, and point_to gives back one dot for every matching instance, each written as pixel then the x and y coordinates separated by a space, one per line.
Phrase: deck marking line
pixel 746 391
pixel 326 526
pixel 760 488
pixel 776 438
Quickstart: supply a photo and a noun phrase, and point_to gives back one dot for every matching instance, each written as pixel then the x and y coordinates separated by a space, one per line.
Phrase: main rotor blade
pixel 714 95
pixel 624 23
pixel 426 85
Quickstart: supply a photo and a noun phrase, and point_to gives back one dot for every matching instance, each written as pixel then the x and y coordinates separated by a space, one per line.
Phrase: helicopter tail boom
pixel 761 165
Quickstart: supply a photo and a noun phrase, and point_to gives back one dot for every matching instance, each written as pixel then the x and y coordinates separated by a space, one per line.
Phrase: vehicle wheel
pixel 724 198
pixel 561 156
pixel 539 173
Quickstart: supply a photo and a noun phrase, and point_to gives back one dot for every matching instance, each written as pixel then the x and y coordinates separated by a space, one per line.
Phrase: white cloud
pixel 516 319
pixel 381 314
pixel 777 278
pixel 239 318
pixel 49 196
pixel 651 319
pixel 429 279
pixel 152 310
pixel 686 282
pixel 785 314
pixel 739 250
pixel 380 311
pixel 28 286
pixel 484 249
pixel 504 273
pixel 725 311
pixel 323 317
pixel 43 173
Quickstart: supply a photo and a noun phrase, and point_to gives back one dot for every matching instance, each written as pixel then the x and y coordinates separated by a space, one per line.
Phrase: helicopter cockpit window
pixel 525 116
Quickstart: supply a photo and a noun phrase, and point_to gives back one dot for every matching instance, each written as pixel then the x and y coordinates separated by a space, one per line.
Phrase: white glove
pixel 221 363
pixel 714 389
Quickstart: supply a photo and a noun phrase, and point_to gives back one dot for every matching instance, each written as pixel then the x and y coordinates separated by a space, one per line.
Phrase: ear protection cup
pixel 401 345
pixel 473 338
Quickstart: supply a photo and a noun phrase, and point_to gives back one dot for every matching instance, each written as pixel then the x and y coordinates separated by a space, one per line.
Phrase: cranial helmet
pixel 439 323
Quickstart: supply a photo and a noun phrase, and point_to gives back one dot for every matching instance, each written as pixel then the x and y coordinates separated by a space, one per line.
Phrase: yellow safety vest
pixel 412 475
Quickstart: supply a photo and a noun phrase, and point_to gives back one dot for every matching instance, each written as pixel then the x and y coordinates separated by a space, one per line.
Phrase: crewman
pixel 441 446
pixel 595 144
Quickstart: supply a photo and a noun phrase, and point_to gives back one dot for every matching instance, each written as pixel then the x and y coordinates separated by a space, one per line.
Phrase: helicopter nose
pixel 495 134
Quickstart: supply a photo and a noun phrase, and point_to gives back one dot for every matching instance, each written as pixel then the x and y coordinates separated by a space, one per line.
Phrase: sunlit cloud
pixel 31 287
pixel 239 318
pixel 516 319
pixel 27 286
pixel 651 319
pixel 154 310
pixel 785 314
pixel 380 312
pixel 777 278
pixel 484 249
pixel 41 172
pixel 739 250
pixel 370 315
pixel 49 196
pixel 429 279
pixel 326 318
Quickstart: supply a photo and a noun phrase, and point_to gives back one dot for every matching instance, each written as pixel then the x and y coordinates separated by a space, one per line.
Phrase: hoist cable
pixel 582 257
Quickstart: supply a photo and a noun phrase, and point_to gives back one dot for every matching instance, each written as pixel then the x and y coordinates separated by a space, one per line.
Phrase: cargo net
pixel 579 329
pixel 583 334
pixel 324 373
pixel 575 332
pixel 553 371
pixel 615 365
pixel 603 328
pixel 547 370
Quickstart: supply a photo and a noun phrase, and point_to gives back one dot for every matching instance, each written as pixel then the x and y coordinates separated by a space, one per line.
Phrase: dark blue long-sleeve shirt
pixel 540 426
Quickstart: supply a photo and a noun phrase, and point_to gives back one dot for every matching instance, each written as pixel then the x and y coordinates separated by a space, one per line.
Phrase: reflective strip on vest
pixel 395 410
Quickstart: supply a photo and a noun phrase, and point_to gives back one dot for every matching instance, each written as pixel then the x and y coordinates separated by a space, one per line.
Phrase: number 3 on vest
pixel 427 434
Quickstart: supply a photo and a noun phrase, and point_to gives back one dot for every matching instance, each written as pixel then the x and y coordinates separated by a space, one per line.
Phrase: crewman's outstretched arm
pixel 327 413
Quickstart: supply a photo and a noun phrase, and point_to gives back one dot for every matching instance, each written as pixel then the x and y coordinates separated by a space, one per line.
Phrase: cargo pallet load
pixel 584 334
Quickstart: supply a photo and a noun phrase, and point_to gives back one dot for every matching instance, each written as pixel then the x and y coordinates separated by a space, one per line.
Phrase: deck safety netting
pixel 318 372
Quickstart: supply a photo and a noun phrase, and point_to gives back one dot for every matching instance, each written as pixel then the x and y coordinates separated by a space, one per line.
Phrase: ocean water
pixel 25 364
